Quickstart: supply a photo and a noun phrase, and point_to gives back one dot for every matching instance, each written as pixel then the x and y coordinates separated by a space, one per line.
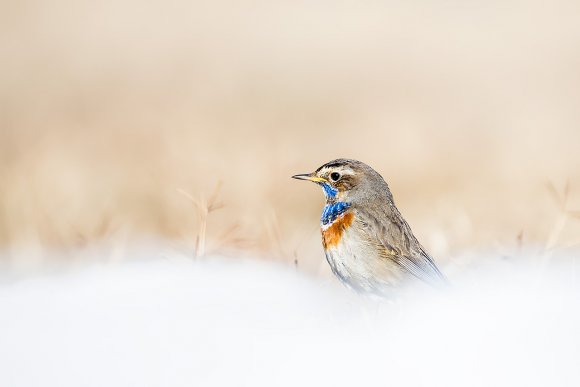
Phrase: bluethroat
pixel 368 244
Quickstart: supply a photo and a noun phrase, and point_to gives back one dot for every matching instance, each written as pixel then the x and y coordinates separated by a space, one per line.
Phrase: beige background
pixel 112 112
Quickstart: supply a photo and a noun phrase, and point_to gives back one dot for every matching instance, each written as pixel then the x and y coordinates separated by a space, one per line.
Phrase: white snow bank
pixel 217 323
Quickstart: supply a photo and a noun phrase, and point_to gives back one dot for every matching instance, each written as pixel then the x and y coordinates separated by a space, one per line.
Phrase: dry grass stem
pixel 203 208
pixel 564 215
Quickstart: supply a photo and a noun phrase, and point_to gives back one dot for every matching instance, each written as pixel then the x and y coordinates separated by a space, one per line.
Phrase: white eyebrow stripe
pixel 343 170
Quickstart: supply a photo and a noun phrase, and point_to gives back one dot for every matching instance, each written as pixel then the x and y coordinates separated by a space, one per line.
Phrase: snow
pixel 218 322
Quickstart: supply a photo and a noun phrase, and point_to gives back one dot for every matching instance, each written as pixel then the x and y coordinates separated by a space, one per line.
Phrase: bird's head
pixel 345 180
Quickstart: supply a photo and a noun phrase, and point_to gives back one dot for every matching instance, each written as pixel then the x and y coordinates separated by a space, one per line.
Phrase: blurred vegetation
pixel 115 115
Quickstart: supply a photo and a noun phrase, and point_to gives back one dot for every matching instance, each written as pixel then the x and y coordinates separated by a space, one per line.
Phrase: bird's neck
pixel 332 211
pixel 329 191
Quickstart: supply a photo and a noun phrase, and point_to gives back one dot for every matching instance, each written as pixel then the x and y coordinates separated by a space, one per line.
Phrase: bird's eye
pixel 334 176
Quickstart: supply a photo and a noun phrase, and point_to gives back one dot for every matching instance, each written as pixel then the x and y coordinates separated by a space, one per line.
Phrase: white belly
pixel 357 263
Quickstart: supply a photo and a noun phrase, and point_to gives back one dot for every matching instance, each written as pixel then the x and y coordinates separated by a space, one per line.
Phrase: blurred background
pixel 182 121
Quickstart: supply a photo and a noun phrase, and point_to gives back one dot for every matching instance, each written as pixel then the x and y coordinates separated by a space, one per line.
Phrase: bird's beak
pixel 310 177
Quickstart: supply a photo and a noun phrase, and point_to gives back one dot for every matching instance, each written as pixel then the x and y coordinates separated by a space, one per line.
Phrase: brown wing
pixel 397 243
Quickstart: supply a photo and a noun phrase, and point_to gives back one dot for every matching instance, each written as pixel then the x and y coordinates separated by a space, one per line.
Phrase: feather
pixel 396 242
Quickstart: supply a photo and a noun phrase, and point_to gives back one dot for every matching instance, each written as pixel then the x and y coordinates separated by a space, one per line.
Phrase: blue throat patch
pixel 333 211
pixel 329 190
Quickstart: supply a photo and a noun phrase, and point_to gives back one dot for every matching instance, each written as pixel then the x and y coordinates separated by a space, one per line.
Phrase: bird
pixel 368 244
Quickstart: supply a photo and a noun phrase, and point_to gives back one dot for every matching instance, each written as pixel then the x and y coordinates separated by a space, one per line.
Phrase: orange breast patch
pixel 332 235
